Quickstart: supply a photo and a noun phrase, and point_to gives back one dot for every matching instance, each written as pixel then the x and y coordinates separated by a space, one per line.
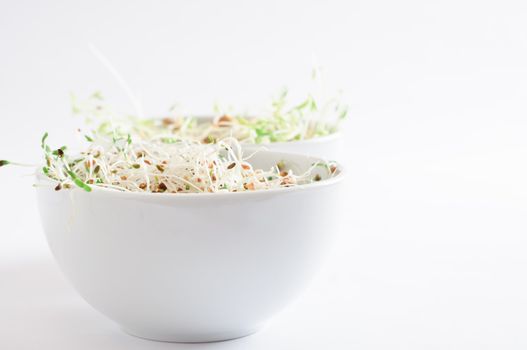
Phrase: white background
pixel 433 255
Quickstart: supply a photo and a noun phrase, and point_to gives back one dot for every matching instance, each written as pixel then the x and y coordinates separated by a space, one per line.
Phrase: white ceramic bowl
pixel 328 147
pixel 192 267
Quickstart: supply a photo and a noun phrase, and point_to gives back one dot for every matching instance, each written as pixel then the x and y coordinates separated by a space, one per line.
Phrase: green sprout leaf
pixel 3 162
pixel 59 152
pixel 43 142
pixel 78 181
pixel 169 140
pixel 313 105
pixel 97 95
pixel 344 113
pixel 303 104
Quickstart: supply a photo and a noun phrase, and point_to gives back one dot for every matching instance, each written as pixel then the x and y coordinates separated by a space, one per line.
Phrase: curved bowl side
pixel 326 147
pixel 198 268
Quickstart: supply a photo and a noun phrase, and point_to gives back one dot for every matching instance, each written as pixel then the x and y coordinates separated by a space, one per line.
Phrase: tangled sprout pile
pixel 282 121
pixel 182 166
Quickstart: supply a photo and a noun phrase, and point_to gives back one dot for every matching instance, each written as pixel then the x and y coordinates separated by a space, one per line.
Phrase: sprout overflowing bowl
pixel 159 167
pixel 282 121
pixel 185 154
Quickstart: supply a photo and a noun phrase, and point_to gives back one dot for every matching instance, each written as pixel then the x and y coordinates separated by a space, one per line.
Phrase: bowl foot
pixel 192 338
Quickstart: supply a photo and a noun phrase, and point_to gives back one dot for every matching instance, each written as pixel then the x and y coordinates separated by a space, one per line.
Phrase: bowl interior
pixel 299 164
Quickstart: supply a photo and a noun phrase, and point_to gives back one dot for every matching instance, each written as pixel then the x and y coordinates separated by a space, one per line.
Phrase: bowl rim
pixel 314 140
pixel 342 174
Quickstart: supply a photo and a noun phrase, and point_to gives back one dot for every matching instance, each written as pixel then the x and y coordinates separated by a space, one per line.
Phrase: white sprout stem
pixel 122 82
